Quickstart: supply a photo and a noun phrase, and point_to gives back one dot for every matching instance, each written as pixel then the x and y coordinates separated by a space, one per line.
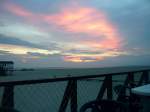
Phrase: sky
pixel 75 33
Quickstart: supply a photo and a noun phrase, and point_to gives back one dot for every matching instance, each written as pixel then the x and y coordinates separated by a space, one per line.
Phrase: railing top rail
pixel 37 81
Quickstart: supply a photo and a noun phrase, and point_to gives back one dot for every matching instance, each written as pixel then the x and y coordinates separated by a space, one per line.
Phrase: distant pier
pixel 6 68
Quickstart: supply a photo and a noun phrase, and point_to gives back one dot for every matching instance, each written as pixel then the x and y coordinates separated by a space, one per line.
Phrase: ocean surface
pixel 63 72
pixel 47 97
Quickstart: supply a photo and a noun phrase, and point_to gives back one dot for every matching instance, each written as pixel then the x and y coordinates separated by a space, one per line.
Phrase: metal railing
pixel 59 94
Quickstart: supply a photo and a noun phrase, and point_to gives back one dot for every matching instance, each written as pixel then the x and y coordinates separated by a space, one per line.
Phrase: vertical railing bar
pixel 74 97
pixel 141 80
pixel 102 89
pixel 109 87
pixel 8 97
pixel 131 79
pixel 123 91
pixel 66 97
pixel 146 77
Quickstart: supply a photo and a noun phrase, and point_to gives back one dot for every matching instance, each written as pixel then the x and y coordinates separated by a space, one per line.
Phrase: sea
pixel 47 97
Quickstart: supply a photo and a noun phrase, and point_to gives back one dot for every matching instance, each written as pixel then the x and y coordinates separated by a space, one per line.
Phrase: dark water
pixel 52 73
pixel 47 97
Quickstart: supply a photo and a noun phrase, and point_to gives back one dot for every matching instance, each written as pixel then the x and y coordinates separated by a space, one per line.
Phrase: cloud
pixel 87 21
pixel 99 32
pixel 15 41
pixel 18 10
pixel 3 52
pixel 80 20
pixel 23 50
pixel 24 32
pixel 93 23
pixel 80 58
pixel 90 57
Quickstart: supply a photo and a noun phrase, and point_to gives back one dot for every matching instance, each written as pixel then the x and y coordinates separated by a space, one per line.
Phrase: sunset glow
pixel 83 20
pixel 78 59
pixel 22 50
pixel 90 22
pixel 87 21
pixel 72 32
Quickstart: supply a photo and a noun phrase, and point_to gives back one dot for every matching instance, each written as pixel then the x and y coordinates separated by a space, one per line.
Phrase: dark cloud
pixel 88 58
pixel 42 55
pixel 35 54
pixel 3 52
pixel 12 40
pixel 78 51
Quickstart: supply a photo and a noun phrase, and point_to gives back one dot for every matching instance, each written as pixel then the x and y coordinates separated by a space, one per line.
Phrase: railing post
pixel 141 80
pixel 129 82
pixel 74 97
pixel 131 79
pixel 146 77
pixel 8 97
pixel 70 94
pixel 107 84
pixel 102 89
pixel 109 87
pixel 66 97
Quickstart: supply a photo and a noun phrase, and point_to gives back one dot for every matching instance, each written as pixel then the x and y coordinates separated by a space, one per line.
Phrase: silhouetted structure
pixel 6 67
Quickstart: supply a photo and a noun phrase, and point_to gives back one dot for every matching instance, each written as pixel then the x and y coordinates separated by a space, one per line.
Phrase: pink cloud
pixel 17 10
pixel 22 12
pixel 79 59
pixel 79 20
pixel 87 21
